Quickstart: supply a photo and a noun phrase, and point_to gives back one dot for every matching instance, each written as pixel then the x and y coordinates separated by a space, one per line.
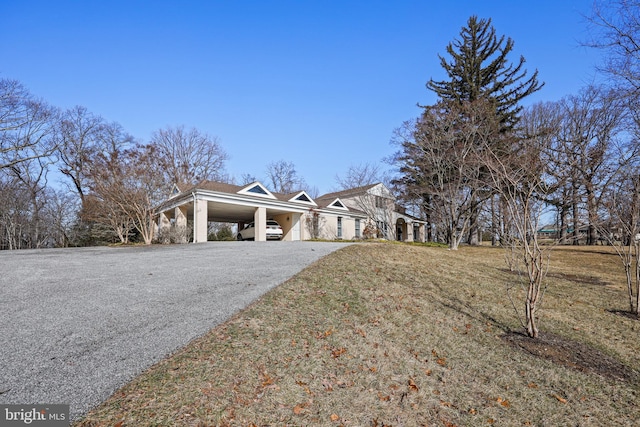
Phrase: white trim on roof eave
pixel 344 212
pixel 248 200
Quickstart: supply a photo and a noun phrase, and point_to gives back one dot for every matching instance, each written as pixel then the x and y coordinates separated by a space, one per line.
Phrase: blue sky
pixel 322 84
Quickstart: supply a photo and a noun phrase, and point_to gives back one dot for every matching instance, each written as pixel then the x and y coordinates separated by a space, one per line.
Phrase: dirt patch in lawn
pixel 573 354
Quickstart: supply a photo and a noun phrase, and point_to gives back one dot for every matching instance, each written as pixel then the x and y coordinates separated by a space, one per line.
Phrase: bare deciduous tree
pixel 588 141
pixel 78 136
pixel 284 178
pixel 127 185
pixel 188 156
pixel 615 27
pixel 25 125
pixel 359 176
pixel 622 231
pixel 440 163
pixel 520 177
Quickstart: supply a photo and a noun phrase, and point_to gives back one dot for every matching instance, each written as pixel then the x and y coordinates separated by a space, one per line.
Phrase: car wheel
pixel 239 237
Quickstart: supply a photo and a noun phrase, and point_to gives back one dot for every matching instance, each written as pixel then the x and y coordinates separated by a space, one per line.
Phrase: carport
pixel 211 201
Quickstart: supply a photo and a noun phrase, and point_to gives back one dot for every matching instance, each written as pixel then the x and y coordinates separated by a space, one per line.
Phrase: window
pixel 257 189
pixel 303 198
pixel 379 202
pixel 339 227
pixel 358 228
pixel 337 204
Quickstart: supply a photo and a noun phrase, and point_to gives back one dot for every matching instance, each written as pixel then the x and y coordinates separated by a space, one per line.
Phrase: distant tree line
pixel 72 178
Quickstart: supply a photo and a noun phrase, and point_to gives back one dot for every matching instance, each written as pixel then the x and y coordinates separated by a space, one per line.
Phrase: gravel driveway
pixel 76 324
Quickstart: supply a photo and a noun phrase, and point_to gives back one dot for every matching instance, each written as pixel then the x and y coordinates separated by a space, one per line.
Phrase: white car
pixel 274 231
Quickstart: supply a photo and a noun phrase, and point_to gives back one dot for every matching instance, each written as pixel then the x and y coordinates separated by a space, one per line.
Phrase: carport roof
pixel 222 187
pixel 237 201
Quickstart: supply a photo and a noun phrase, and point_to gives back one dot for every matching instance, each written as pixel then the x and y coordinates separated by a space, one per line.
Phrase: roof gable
pixel 257 189
pixel 337 204
pixel 302 197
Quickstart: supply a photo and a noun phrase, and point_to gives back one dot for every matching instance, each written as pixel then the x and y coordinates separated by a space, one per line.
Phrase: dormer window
pixel 257 189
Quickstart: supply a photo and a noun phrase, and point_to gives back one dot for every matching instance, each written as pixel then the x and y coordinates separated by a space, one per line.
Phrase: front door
pixel 295 227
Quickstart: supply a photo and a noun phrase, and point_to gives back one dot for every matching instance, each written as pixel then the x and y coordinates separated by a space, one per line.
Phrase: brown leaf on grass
pixel 532 385
pixel 323 335
pixel 334 417
pixel 298 409
pixel 503 402
pixel 337 352
pixel 560 398
pixel 267 379
pixel 472 411
pixel 427 372
pixel 442 361
pixel 384 398
pixel 360 332
pixel 412 385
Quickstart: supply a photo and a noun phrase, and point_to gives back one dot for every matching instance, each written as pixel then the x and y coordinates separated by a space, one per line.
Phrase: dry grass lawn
pixel 403 335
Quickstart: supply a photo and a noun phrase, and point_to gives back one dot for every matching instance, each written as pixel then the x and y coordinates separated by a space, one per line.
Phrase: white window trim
pixel 342 207
pixel 294 199
pixel 247 191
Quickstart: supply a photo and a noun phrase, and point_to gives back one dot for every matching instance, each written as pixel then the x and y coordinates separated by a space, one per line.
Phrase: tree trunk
pixel 474 226
pixel 592 214
pixel 637 254
pixel 494 222
pixel 532 328
pixel 576 222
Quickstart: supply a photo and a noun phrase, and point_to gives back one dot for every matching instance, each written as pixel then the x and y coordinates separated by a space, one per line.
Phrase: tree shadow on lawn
pixel 573 354
pixel 625 313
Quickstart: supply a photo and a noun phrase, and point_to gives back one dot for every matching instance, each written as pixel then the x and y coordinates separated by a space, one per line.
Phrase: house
pixel 362 212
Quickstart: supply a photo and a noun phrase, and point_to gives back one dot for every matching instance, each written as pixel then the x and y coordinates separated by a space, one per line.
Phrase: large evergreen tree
pixel 479 68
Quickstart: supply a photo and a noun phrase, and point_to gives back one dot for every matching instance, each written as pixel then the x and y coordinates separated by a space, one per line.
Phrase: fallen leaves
pixel 503 402
pixel 337 352
pixel 300 407
pixel 559 398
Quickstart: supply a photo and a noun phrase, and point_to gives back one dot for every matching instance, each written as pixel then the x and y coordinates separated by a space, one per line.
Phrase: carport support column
pixel 200 214
pixel 260 221
pixel 180 215
pixel 409 232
